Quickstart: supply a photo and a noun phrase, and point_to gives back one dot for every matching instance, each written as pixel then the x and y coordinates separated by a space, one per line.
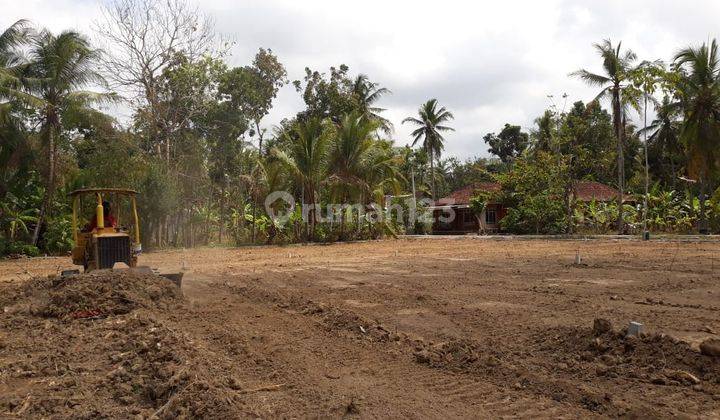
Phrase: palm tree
pixel 360 164
pixel 12 143
pixel 348 154
pixel 617 66
pixel 429 130
pixel 11 133
pixel 663 136
pixel 59 68
pixel 542 136
pixel 381 176
pixel 14 36
pixel 699 90
pixel 442 174
pixel 267 176
pixel 353 138
pixel 306 159
pixel 367 93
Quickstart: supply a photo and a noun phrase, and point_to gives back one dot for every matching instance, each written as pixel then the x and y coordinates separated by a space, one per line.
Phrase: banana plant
pixel 16 220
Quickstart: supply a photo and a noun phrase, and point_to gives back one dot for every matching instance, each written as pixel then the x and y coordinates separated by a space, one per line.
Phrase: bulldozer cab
pixel 104 238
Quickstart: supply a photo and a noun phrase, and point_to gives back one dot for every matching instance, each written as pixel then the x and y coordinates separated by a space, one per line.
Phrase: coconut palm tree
pixel 306 159
pixel 267 176
pixel 381 174
pixel 442 174
pixel 11 135
pixel 617 66
pixel 14 36
pixel 348 153
pixel 699 90
pixel 367 93
pixel 353 139
pixel 11 131
pixel 53 81
pixel 664 138
pixel 430 129
pixel 361 165
pixel 12 144
pixel 381 177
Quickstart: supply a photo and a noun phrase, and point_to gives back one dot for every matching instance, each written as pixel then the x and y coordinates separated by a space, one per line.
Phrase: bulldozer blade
pixel 143 269
pixel 67 273
pixel 174 277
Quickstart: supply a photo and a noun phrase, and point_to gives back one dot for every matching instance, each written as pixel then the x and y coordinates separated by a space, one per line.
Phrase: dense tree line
pixel 665 171
pixel 198 150
pixel 195 147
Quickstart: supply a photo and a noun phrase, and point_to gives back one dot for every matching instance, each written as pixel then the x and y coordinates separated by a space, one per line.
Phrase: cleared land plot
pixel 416 327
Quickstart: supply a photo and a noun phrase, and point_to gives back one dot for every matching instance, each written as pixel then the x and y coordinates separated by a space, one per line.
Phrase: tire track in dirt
pixel 497 295
pixel 542 392
pixel 481 300
pixel 374 378
pixel 457 389
pixel 457 392
pixel 327 374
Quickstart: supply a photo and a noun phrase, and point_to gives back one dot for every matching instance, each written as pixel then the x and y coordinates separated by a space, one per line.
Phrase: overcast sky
pixel 487 62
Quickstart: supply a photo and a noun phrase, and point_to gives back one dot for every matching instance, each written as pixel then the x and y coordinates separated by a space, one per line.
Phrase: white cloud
pixel 489 63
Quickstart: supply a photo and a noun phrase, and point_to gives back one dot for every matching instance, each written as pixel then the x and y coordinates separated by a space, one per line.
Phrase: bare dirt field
pixel 429 328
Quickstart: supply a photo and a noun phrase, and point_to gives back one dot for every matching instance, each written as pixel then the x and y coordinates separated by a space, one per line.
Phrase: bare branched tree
pixel 140 38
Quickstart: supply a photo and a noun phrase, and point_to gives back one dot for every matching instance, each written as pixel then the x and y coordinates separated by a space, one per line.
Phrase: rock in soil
pixel 601 326
pixel 710 347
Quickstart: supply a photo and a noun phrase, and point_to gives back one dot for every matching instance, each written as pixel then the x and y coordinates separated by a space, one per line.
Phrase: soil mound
pixel 655 358
pixel 95 294
pixel 158 370
pixel 103 345
pixel 337 319
pixel 456 354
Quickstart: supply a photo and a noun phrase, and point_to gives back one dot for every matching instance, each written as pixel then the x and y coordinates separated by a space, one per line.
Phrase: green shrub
pixel 533 191
pixel 538 214
pixel 21 249
pixel 58 237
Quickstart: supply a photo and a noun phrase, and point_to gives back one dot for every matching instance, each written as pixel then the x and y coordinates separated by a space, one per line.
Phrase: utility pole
pixel 646 233
pixel 414 212
pixel 412 175
pixel 569 181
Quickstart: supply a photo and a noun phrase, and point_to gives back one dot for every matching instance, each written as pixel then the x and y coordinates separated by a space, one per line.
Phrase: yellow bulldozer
pixel 107 238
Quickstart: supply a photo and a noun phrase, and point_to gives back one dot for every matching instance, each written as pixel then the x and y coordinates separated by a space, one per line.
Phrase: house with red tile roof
pixel 452 214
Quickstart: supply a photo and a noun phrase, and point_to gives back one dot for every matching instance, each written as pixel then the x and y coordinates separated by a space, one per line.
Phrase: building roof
pixel 463 195
pixel 592 190
pixel 585 191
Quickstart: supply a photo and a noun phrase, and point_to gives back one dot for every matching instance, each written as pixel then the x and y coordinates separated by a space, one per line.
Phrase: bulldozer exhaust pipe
pixel 100 213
